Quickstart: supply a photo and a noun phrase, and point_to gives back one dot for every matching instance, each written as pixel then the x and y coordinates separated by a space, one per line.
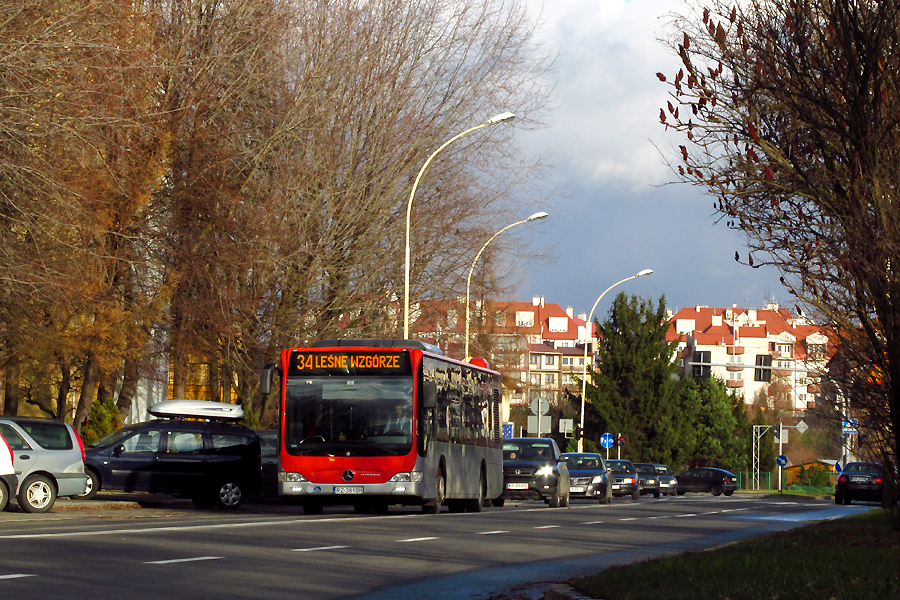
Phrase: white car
pixel 8 480
pixel 49 460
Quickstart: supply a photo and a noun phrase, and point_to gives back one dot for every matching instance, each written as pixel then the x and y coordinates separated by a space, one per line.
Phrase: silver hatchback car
pixel 49 460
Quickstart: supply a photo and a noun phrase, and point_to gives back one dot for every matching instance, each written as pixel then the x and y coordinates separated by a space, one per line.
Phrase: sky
pixel 620 211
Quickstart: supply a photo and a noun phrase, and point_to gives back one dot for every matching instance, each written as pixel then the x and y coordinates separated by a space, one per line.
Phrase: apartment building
pixel 764 355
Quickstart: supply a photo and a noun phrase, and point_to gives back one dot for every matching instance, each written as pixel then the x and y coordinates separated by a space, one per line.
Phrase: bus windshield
pixel 348 416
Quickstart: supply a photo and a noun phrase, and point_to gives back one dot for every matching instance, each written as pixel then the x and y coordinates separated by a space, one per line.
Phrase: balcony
pixel 734 368
pixel 734 383
pixel 734 349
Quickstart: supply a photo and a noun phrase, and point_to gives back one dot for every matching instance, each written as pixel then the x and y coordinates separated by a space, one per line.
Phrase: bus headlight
pixel 286 476
pixel 411 476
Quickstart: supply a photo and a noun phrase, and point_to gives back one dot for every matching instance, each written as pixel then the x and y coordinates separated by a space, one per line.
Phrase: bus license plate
pixel 348 489
pixel 517 486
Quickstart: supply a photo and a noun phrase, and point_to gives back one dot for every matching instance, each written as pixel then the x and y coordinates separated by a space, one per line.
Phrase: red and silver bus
pixel 371 423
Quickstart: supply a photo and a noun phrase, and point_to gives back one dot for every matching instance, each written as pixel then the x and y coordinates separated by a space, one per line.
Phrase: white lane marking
pixel 661 517
pixel 687 515
pixel 629 519
pixel 547 527
pixel 592 523
pixel 173 561
pixel 316 549
pixel 420 539
pixel 17 575
pixel 491 532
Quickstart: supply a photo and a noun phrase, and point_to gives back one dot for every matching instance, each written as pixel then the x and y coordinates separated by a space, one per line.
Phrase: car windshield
pixel 114 437
pixel 621 465
pixel 663 470
pixel 863 468
pixel 526 450
pixel 645 469
pixel 582 462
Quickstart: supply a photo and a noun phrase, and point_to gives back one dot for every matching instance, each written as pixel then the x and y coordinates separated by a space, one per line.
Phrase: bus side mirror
pixel 429 395
pixel 265 378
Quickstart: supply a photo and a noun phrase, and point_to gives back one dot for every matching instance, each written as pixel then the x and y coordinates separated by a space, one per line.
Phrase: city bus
pixel 375 423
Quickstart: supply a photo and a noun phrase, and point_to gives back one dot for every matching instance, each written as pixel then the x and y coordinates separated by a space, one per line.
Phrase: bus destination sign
pixel 344 363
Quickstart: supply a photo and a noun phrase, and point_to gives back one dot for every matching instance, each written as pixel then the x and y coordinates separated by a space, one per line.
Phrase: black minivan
pixel 212 462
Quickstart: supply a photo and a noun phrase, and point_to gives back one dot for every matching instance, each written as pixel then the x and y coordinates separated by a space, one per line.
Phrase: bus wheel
pixel 498 502
pixel 476 504
pixel 434 506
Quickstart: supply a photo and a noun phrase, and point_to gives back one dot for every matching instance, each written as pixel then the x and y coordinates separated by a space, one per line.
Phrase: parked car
pixel 268 441
pixel 648 479
pixel 860 481
pixel 707 479
pixel 49 460
pixel 216 462
pixel 668 484
pixel 588 477
pixel 8 480
pixel 625 480
pixel 533 469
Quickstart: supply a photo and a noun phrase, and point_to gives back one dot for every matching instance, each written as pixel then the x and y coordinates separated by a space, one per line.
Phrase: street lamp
pixel 502 117
pixel 534 217
pixel 590 336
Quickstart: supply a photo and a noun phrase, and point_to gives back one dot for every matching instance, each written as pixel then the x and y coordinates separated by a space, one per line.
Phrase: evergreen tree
pixel 634 392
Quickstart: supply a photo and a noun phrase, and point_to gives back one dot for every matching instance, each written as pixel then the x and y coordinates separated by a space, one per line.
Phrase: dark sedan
pixel 534 470
pixel 649 479
pixel 707 479
pixel 860 481
pixel 668 485
pixel 588 477
pixel 624 477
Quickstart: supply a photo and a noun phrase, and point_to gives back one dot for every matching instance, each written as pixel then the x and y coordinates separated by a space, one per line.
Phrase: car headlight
pixel 651 481
pixel 597 479
pixel 544 471
pixel 628 480
pixel 413 476
pixel 293 477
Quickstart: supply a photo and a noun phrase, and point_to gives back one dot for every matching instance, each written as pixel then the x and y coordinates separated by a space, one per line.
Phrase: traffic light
pixel 578 433
pixel 621 441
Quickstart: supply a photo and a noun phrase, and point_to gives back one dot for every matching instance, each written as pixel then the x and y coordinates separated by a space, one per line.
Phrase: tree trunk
pixel 130 378
pixel 88 389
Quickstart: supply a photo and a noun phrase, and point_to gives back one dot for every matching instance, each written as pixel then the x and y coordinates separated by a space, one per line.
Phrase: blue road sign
pixel 837 467
pixel 508 430
pixel 781 459
pixel 607 440
pixel 850 425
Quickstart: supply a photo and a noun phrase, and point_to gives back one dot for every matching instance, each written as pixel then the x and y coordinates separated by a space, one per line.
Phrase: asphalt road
pixel 171 550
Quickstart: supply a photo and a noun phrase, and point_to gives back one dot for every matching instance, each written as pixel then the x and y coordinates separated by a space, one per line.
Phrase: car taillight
pixel 81 445
pixel 878 480
pixel 841 479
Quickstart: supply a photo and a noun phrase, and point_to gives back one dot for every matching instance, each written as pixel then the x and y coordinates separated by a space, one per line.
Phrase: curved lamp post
pixel 534 217
pixel 502 117
pixel 590 336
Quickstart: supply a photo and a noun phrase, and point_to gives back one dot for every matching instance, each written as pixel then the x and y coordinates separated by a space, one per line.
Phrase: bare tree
pixel 791 112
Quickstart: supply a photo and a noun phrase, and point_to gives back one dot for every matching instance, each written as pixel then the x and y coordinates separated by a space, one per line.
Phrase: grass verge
pixel 855 557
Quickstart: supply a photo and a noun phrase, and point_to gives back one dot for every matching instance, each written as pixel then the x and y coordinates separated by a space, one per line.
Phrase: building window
pixel 535 379
pixel 568 361
pixel 815 351
pixel 785 349
pixel 735 359
pixel 763 371
pixel 500 319
pixel 734 375
pixel 534 359
pixel 581 361
pixel 549 378
pixel 524 318
pixel 549 360
pixel 568 379
pixel 701 370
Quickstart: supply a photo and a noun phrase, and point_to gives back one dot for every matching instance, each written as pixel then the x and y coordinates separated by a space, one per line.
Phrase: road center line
pixel 17 575
pixel 421 539
pixel 490 532
pixel 547 527
pixel 593 523
pixel 181 560
pixel 316 549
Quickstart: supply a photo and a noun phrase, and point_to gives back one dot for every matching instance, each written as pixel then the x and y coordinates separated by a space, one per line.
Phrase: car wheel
pixel 656 494
pixel 92 487
pixel 229 495
pixel 554 500
pixel 434 507
pixel 716 489
pixel 36 494
pixel 4 496
pixel 837 499
pixel 847 500
pixel 565 500
pixel 728 493
pixel 498 502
